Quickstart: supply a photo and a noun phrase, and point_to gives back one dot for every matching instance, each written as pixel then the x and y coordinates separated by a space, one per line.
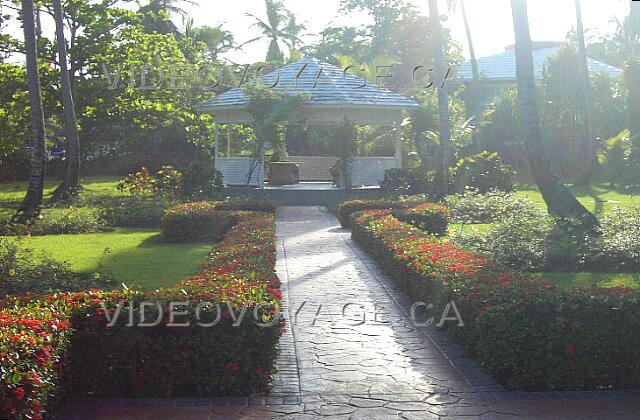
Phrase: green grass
pixel 133 256
pixel 572 280
pixel 597 199
pixel 11 192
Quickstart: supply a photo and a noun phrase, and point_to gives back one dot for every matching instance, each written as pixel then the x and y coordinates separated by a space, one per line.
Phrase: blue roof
pixel 323 84
pixel 502 67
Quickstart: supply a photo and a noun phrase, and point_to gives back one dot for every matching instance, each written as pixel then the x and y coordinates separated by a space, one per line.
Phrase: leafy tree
pixel 560 201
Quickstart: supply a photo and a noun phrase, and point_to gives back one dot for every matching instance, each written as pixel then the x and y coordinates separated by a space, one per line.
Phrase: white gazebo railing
pixel 366 171
pixel 235 171
pixel 369 171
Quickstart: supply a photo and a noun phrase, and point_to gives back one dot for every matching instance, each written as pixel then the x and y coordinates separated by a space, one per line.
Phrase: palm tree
pixel 156 15
pixel 218 40
pixel 71 182
pixel 590 158
pixel 442 181
pixel 32 203
pixel 279 27
pixel 560 201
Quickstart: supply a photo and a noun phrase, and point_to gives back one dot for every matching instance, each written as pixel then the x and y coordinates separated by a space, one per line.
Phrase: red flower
pixel 19 393
pixel 232 366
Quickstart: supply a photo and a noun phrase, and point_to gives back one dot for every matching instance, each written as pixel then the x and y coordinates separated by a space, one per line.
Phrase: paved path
pixel 336 366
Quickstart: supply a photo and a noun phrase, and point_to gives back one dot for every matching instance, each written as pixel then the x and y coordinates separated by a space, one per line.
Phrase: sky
pixel 490 21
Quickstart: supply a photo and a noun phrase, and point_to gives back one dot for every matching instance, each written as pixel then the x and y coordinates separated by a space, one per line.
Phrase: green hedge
pixel 196 222
pixel 56 343
pixel 528 334
pixel 432 218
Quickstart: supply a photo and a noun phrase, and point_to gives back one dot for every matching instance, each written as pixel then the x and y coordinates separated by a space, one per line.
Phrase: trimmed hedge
pixel 49 344
pixel 347 208
pixel 432 218
pixel 196 222
pixel 529 334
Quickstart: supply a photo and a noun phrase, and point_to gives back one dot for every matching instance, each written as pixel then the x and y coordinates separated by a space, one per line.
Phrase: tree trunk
pixel 560 201
pixel 32 203
pixel 589 140
pixel 632 70
pixel 442 181
pixel 68 189
pixel 475 92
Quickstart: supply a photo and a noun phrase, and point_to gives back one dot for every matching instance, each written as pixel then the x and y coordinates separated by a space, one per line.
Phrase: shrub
pixel 138 212
pixel 528 334
pixel 483 172
pixel 196 222
pixel 432 218
pixel 23 271
pixel 63 341
pixel 493 206
pixel 404 182
pixel 167 182
pixel 55 221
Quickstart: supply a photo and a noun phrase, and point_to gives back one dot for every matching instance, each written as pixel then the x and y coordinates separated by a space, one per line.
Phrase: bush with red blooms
pixel 58 344
pixel 195 222
pixel 529 334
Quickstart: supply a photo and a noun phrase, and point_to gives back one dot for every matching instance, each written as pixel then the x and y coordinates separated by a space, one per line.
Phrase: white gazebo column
pixel 216 146
pixel 398 126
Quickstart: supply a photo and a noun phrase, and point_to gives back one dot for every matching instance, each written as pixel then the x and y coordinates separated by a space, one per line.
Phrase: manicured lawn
pixel 597 199
pixel 92 186
pixel 132 256
pixel 571 280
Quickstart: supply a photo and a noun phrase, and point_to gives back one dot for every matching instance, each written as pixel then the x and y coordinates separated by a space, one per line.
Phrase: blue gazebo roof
pixel 502 67
pixel 324 85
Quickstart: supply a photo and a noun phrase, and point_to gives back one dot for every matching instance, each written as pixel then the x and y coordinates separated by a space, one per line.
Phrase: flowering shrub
pixel 167 182
pixel 63 341
pixel 528 334
pixel 195 222
pixel 432 218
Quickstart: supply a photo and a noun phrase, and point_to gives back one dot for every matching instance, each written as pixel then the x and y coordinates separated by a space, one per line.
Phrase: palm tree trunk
pixel 71 182
pixel 589 141
pixel 560 201
pixel 442 181
pixel 475 93
pixel 32 203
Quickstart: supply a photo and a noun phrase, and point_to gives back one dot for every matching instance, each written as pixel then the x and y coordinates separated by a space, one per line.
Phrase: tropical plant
pixel 279 27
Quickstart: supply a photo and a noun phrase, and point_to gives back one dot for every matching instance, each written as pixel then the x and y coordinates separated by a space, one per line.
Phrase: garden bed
pixel 528 334
pixel 60 345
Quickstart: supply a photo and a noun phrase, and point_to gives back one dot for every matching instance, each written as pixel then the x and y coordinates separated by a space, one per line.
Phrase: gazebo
pixel 333 97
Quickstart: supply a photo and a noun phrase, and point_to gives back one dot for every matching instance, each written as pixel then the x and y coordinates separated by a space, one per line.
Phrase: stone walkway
pixel 352 352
